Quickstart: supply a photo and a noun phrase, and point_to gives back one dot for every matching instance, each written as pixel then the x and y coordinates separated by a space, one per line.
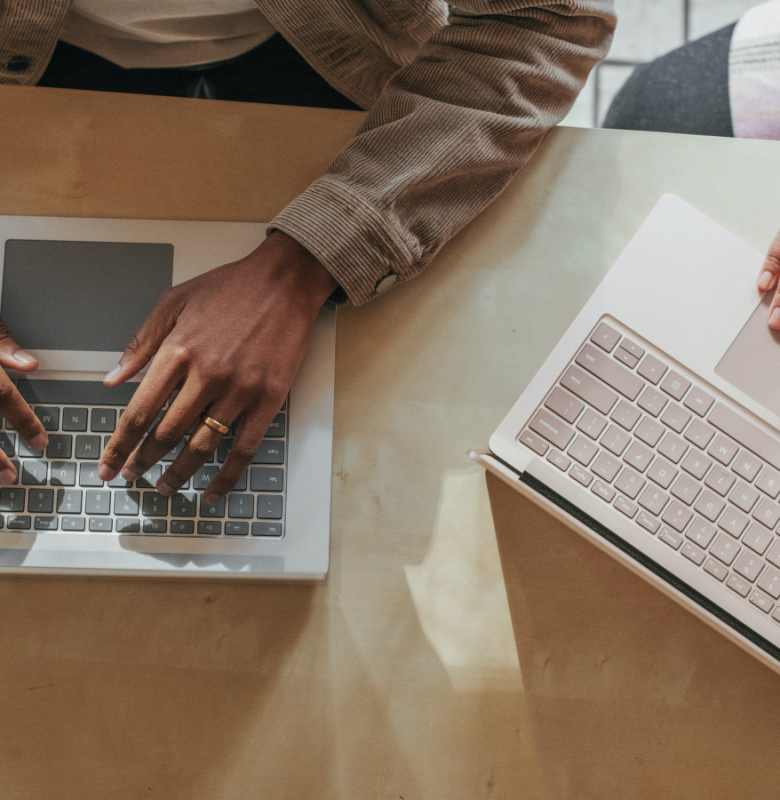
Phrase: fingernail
pixel 40 441
pixel 7 476
pixel 211 499
pixel 163 488
pixel 765 280
pixel 105 473
pixel 113 373
pixel 131 474
pixel 774 318
pixel 24 358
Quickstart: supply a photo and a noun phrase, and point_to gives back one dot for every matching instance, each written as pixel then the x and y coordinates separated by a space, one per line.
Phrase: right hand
pixel 13 407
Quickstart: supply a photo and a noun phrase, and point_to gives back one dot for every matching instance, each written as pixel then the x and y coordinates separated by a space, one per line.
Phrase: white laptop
pixel 653 427
pixel 72 292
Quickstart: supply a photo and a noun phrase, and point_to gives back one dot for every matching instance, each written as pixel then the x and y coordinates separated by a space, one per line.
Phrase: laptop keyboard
pixel 683 466
pixel 59 490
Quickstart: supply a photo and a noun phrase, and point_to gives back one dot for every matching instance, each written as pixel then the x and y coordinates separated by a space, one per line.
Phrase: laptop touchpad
pixel 752 363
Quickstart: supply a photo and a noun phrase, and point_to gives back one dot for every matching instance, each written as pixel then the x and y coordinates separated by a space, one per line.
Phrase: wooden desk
pixel 398 676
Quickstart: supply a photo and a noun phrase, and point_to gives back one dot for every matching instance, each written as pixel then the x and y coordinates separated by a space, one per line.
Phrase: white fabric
pixel 754 73
pixel 166 33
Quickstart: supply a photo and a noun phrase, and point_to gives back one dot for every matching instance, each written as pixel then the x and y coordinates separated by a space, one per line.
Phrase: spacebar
pixel 746 434
pixel 77 393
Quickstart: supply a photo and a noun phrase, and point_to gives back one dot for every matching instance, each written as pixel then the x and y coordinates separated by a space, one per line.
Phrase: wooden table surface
pixel 397 677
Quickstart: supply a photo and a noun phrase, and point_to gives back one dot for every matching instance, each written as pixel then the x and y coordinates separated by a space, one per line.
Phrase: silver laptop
pixel 653 427
pixel 72 292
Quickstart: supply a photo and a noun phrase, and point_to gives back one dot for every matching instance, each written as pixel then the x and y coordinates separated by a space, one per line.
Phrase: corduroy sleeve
pixel 446 136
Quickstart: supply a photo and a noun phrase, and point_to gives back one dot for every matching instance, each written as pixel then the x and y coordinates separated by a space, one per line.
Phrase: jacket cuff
pixel 349 237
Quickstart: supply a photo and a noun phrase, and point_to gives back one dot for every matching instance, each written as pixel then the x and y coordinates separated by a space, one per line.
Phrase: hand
pixel 231 341
pixel 13 407
pixel 768 278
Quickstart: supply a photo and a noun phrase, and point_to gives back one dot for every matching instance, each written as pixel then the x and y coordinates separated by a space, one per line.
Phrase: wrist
pixel 299 265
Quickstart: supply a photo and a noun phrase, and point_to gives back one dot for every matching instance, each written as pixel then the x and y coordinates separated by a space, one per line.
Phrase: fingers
pixel 11 355
pixel 768 278
pixel 19 414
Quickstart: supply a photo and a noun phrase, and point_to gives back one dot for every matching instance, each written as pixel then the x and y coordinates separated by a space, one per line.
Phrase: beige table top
pixel 398 676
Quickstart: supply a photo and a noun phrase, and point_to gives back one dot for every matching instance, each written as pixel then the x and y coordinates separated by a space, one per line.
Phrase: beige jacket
pixel 457 104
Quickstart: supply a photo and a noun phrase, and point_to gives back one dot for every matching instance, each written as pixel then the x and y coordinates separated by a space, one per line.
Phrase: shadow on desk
pixel 629 695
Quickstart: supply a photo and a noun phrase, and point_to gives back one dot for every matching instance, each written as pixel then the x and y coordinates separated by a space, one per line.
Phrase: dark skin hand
pixel 231 341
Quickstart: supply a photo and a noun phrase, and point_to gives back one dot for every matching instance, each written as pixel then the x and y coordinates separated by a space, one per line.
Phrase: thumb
pixel 146 342
pixel 11 355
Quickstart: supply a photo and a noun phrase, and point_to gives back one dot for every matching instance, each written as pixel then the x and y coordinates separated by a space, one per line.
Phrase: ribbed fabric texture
pixel 456 110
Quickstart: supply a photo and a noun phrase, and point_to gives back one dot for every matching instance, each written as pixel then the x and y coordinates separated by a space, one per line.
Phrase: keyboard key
pixel 673 447
pixel 699 434
pixel 662 473
pixel 34 473
pixel 629 482
pixel 746 433
pixel 217 510
pixel 74 419
pixel 544 423
pixel 625 507
pixel 46 524
pixel 560 460
pixel 78 393
pixel 725 549
pixel 757 538
pixel 241 506
pixel 676 417
pixel 103 420
pixel 526 437
pixel 591 424
pixel 723 450
pixel 606 337
pixel 652 401
pixel 87 447
pixel 269 452
pixel 653 369
pixel 149 479
pixel 715 569
pixel 769 482
pixel 237 529
pixel 11 499
pixel 98 502
pixel 675 385
pixel 615 440
pixel 646 521
pixel 69 501
pixel 205 475
pixel 73 524
pixel 649 431
pixel 88 474
pixel 8 444
pixel 738 585
pixel 749 565
pixel 127 503
pixel 155 526
pixel 747 466
pixel 767 513
pixel 25 451
pixel 610 371
pixel 120 483
pixel 671 538
pixel 626 415
pixel 128 525
pixel 62 473
pixel 710 506
pixel 182 526
pixel 693 553
pixel 626 357
pixel 701 532
pixel 273 529
pixel 761 601
pixel 563 404
pixel 601 489
pixel 653 500
pixel 733 522
pixel 18 522
pixel 588 389
pixel 210 527
pixel 40 501
pixel 60 446
pixel 580 475
pixel 677 515
pixel 632 347
pixel 184 504
pixel 770 582
pixel 101 524
pixel 583 450
pixel 686 489
pixel 697 464
pixel 276 428
pixel 699 401
pixel 270 506
pixel 49 417
pixel 606 466
pixel 720 481
pixel 638 456
pixel 155 504
pixel 744 496
pixel 271 479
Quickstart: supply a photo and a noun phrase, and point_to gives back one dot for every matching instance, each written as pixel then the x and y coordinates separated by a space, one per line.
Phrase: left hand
pixel 231 341
pixel 768 277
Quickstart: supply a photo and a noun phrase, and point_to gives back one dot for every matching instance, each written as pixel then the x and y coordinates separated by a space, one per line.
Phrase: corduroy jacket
pixel 458 100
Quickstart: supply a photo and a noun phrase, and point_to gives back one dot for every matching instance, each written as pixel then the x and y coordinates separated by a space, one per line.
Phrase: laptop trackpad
pixel 752 363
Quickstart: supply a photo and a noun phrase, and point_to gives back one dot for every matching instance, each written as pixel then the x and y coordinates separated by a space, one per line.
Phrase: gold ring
pixel 216 426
